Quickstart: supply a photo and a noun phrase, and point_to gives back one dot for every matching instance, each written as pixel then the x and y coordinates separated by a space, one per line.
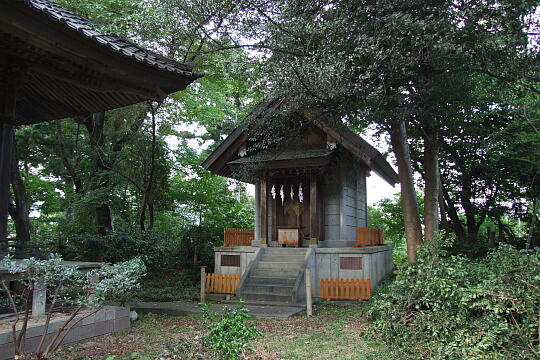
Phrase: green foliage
pixel 387 215
pixel 170 286
pixel 451 307
pixel 118 281
pixel 72 286
pixel 65 284
pixel 158 250
pixel 229 334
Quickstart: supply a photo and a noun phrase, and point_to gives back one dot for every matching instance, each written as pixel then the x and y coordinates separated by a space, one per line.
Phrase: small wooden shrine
pixel 310 213
pixel 309 191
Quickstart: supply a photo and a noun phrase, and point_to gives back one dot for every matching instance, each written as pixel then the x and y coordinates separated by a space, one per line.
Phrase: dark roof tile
pixel 86 27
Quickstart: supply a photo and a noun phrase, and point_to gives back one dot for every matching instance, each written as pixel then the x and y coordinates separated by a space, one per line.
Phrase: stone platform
pixel 105 321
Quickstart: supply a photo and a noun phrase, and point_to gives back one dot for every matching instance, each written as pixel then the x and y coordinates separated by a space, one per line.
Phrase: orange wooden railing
pixel 368 237
pixel 222 284
pixel 345 289
pixel 237 237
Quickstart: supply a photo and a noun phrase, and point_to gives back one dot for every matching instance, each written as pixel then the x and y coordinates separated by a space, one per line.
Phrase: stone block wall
pixel 105 321
pixel 376 263
pixel 245 255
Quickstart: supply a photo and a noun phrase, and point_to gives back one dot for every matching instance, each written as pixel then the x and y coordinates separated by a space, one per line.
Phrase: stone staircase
pixel 273 279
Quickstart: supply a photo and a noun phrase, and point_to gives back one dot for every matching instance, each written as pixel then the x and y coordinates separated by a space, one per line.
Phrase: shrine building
pixel 310 210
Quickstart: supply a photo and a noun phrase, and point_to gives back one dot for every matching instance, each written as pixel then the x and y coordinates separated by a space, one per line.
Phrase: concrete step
pixel 284 258
pixel 275 273
pixel 279 265
pixel 269 289
pixel 300 306
pixel 272 280
pixel 285 251
pixel 263 296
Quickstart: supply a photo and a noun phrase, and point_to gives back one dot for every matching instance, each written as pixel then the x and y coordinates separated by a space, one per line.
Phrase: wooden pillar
pixel 263 211
pixel 313 214
pixel 6 146
pixel 309 301
pixel 257 238
pixel 8 101
pixel 203 284
pixel 274 217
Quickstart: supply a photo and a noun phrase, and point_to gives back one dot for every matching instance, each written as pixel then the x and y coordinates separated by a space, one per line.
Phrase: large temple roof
pixel 65 67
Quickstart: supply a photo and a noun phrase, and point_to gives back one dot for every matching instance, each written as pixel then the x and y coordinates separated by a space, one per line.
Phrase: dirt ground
pixel 335 332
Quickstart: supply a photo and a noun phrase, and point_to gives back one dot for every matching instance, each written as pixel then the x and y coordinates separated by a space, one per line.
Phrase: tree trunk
pixel 534 219
pixel 432 183
pixel 442 211
pixel 151 215
pixel 70 169
pixel 142 216
pixel 20 211
pixel 454 217
pixel 409 202
pixel 149 180
pixel 95 125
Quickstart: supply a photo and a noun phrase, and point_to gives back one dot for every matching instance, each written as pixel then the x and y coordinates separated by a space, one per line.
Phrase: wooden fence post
pixel 309 304
pixel 203 284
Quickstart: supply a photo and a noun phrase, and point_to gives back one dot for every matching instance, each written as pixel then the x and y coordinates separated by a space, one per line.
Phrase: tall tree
pixel 388 62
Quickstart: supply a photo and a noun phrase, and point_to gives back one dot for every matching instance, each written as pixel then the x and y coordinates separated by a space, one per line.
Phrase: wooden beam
pixel 264 210
pixel 313 207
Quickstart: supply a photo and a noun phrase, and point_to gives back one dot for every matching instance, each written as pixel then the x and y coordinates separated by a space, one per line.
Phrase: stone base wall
pixel 246 254
pixel 105 321
pixel 375 264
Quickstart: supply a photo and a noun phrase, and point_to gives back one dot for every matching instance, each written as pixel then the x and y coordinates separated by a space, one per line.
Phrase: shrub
pixel 452 307
pixel 171 286
pixel 229 336
pixel 159 251
pixel 67 285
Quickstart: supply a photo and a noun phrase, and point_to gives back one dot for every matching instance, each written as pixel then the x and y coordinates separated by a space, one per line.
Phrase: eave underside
pixel 62 74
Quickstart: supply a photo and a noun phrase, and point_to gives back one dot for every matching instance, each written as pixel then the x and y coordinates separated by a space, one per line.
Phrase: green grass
pixel 334 332
pixel 326 345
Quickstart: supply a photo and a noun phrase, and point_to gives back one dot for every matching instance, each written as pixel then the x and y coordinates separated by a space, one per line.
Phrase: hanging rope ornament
pixel 273 192
pixel 300 194
pixel 282 194
pixel 292 192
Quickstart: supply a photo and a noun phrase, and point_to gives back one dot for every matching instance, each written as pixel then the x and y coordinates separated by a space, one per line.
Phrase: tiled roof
pixel 84 26
pixel 287 154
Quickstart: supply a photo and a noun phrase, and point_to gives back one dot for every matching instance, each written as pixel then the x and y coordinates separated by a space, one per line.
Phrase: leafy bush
pixel 229 336
pixel 65 284
pixel 173 286
pixel 452 307
pixel 158 250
